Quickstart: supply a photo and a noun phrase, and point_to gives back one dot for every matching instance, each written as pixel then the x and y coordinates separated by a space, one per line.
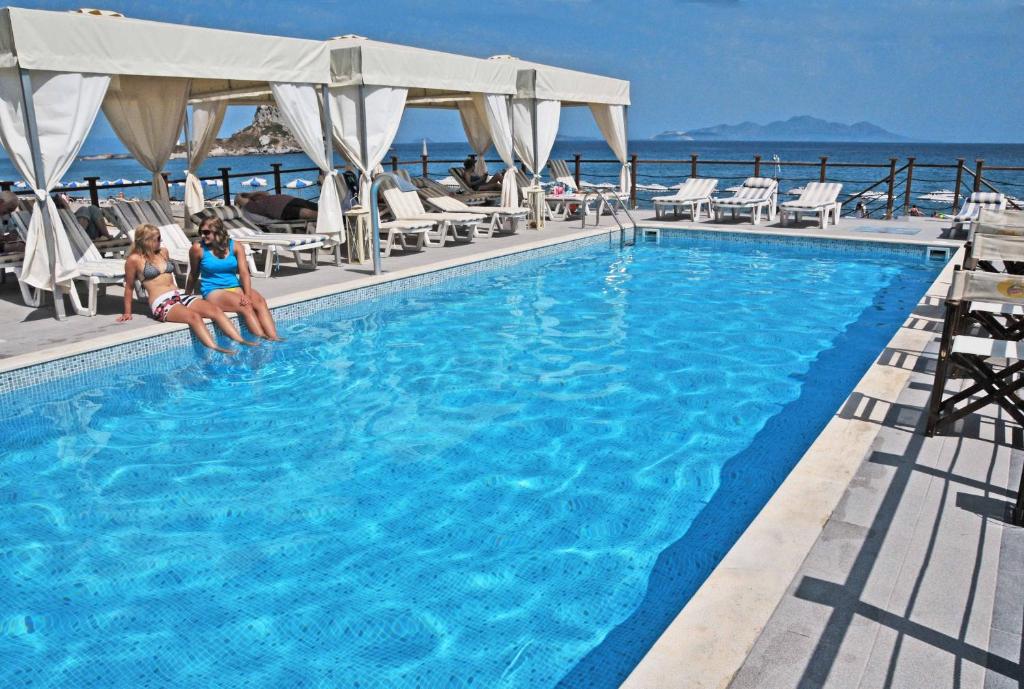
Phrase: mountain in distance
pixel 799 128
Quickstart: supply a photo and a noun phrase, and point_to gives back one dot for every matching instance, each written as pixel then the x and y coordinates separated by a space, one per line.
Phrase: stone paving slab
pixel 916 579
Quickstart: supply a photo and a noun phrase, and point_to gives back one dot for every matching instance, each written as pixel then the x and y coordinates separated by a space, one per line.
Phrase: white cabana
pixel 541 92
pixel 373 83
pixel 58 68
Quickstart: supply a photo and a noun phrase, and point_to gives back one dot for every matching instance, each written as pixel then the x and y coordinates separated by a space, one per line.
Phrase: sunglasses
pixel 205 232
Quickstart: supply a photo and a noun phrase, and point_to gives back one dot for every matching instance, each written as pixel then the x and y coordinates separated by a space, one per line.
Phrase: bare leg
pixel 259 305
pixel 307 214
pixel 182 314
pixel 232 301
pixel 209 310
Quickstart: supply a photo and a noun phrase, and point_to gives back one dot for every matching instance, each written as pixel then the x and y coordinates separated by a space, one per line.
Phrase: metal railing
pixel 608 200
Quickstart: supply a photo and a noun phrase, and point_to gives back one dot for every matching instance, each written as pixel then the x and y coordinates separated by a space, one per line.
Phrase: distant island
pixel 799 128
pixel 265 135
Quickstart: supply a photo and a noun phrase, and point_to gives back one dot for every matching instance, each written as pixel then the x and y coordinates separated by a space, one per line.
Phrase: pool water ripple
pixel 503 481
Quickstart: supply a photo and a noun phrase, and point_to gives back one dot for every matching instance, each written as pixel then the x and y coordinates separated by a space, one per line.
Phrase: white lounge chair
pixel 1005 223
pixel 470 199
pixel 977 201
pixel 94 270
pixel 406 205
pixel 303 247
pixel 499 215
pixel 817 198
pixel 130 214
pixel 757 194
pixel 692 194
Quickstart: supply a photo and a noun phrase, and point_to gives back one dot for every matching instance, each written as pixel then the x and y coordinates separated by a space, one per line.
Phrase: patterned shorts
pixel 163 304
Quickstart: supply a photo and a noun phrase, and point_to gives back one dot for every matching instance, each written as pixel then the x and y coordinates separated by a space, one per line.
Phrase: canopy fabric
pixel 474 122
pixel 358 61
pixel 72 42
pixel 534 138
pixel 206 121
pixel 147 116
pixel 499 124
pixel 545 82
pixel 300 109
pixel 379 110
pixel 65 107
pixel 611 120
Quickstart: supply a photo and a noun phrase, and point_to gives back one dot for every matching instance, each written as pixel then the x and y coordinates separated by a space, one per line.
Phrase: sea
pixel 652 178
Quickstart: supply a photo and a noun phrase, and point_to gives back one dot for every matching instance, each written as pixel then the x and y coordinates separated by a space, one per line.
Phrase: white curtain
pixel 382 108
pixel 206 121
pixel 474 122
pixel 546 126
pixel 499 125
pixel 65 106
pixel 611 120
pixel 299 105
pixel 147 113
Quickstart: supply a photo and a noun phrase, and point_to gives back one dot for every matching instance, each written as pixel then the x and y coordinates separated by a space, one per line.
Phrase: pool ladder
pixel 609 200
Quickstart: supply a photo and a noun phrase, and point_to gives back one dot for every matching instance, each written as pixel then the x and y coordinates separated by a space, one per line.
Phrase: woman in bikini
pixel 149 264
pixel 223 272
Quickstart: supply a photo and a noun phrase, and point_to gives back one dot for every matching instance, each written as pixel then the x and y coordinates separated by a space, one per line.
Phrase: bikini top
pixel 150 271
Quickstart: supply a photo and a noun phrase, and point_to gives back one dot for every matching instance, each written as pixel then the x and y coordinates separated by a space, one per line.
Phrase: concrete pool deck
pixel 882 549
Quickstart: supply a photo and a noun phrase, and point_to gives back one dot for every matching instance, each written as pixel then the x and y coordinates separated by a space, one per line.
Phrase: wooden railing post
pixel 959 181
pixel 892 189
pixel 94 190
pixel 277 177
pixel 978 167
pixel 576 168
pixel 394 163
pixel 757 166
pixel 693 165
pixel 425 159
pixel 824 167
pixel 226 181
pixel 910 183
pixel 633 160
pixel 5 186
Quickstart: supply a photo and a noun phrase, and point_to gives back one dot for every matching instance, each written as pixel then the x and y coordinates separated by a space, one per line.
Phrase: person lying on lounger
pixel 276 206
pixel 224 278
pixel 149 264
pixel 479 182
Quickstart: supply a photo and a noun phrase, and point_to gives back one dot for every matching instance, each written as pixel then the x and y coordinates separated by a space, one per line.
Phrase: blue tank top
pixel 218 273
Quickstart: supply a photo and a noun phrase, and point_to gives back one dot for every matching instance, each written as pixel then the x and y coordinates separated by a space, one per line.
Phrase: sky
pixel 929 70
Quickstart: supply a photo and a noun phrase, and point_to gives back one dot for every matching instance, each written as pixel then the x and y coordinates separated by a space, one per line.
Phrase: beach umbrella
pixel 120 180
pixel 142 181
pixel 255 182
pixel 179 184
pixel 75 185
pixel 795 191
pixel 299 184
pixel 652 187
pixel 734 189
pixel 20 184
pixel 213 182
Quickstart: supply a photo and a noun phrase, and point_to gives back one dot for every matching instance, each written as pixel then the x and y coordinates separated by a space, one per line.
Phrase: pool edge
pixel 710 638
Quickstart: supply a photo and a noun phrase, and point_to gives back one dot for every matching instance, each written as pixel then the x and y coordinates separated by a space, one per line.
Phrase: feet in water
pixel 225 350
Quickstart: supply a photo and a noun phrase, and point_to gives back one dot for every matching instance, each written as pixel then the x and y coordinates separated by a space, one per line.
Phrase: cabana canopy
pixel 74 42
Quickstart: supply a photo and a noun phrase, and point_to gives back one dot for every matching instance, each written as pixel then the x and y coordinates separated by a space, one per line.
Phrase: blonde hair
pixel 142 234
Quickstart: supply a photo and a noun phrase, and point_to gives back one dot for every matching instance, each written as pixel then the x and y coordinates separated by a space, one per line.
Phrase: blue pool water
pixel 514 479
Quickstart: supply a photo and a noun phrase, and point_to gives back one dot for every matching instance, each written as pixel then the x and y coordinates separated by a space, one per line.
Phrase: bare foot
pixel 249 343
pixel 225 350
pixel 273 339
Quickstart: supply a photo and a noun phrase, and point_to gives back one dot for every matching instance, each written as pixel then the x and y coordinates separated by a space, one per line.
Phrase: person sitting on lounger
pixel 479 182
pixel 276 206
pixel 149 264
pixel 224 278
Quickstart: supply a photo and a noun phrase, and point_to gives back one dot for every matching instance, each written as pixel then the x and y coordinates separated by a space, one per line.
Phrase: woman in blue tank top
pixel 220 265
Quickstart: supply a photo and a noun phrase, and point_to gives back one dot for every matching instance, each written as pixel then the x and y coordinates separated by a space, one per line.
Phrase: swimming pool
pixel 514 478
